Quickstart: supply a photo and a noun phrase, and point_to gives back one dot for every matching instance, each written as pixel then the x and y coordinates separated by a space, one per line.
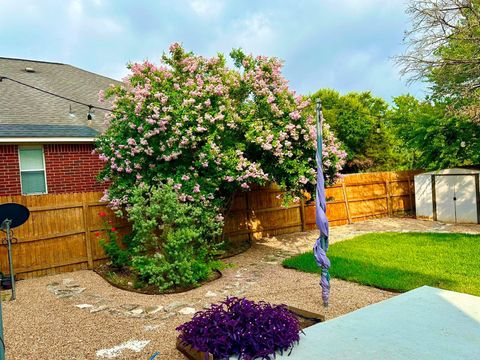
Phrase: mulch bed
pixel 125 279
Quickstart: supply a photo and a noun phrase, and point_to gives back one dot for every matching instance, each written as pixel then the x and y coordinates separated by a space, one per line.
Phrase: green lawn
pixel 403 261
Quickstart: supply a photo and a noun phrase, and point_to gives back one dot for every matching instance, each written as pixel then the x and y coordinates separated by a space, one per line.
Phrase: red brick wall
pixel 69 167
pixel 9 170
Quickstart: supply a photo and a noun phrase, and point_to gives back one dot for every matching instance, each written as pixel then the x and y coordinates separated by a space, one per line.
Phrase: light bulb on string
pixel 90 116
pixel 71 113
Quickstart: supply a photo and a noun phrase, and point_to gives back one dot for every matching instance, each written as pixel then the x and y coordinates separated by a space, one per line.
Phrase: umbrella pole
pixel 321 206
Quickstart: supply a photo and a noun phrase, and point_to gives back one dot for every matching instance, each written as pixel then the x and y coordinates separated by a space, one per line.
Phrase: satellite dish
pixel 16 213
pixel 11 216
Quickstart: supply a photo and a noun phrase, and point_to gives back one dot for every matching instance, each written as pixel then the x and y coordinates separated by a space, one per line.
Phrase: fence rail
pixel 61 233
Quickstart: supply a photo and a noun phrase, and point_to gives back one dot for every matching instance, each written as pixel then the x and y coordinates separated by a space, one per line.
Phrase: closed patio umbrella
pixel 321 245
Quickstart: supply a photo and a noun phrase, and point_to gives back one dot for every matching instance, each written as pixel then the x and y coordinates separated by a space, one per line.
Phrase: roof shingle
pixel 20 105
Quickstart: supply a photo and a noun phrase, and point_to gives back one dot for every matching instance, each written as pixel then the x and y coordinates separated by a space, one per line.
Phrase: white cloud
pixel 254 34
pixel 207 8
pixel 359 60
pixel 358 7
pixel 75 9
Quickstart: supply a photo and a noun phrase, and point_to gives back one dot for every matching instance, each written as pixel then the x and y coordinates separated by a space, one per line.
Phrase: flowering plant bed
pixel 243 329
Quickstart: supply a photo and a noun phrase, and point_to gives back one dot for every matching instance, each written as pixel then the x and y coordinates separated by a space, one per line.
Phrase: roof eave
pixel 44 140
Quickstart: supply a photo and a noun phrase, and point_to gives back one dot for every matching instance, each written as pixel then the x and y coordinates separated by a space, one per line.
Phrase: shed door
pixel 445 193
pixel 456 199
pixel 466 203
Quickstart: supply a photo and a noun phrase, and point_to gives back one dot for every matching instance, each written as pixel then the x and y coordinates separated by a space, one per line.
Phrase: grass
pixel 403 261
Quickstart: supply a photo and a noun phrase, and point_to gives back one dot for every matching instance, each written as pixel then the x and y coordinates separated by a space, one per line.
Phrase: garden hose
pixel 154 355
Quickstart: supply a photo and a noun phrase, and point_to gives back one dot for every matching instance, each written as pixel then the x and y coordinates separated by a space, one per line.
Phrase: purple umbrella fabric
pixel 321 245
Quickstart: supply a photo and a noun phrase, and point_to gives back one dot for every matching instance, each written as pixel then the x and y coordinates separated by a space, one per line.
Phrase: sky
pixel 347 45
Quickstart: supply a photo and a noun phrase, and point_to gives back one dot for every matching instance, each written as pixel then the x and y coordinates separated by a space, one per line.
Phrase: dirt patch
pixel 127 280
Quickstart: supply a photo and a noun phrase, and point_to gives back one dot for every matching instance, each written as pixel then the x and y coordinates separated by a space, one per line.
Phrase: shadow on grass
pixel 367 273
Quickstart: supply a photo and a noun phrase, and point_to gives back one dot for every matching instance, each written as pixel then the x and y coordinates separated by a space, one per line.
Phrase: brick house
pixel 46 142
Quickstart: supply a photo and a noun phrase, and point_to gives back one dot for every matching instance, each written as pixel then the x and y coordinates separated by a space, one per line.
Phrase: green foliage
pixel 359 122
pixel 457 80
pixel 410 134
pixel 442 49
pixel 173 246
pixel 433 137
pixel 119 257
pixel 403 261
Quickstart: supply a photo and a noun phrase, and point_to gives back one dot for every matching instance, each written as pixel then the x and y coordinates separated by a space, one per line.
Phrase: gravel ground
pixel 45 323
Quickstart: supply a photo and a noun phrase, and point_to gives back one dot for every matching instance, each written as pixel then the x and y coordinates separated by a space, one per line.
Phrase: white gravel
pixel 40 325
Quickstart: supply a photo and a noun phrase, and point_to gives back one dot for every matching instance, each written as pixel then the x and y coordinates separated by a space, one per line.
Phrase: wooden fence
pixel 63 231
pixel 60 235
pixel 357 197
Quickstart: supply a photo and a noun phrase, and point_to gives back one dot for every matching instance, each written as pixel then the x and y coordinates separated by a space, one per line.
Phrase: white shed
pixel 449 195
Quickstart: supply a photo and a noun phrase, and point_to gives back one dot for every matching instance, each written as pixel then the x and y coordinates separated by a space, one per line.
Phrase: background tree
pixel 358 119
pixel 434 138
pixel 443 49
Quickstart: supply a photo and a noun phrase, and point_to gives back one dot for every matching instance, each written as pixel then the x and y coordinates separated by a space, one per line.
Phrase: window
pixel 32 170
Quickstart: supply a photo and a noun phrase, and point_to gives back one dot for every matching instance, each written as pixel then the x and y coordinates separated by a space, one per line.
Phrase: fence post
pixel 249 222
pixel 86 226
pixel 302 213
pixel 410 191
pixel 345 200
pixel 389 205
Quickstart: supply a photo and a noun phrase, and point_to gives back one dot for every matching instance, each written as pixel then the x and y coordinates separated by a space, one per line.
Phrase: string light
pixel 89 116
pixel 71 113
pixel 91 107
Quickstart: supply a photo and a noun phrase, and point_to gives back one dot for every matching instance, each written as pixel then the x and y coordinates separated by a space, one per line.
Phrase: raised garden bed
pixel 126 280
pixel 306 319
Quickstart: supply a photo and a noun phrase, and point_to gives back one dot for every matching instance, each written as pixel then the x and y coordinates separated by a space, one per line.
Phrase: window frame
pixel 32 147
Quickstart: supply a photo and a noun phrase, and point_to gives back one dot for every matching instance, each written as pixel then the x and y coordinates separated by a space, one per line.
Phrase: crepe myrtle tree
pixel 207 130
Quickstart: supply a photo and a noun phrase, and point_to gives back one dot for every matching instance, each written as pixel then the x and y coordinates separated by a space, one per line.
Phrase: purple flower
pixel 243 328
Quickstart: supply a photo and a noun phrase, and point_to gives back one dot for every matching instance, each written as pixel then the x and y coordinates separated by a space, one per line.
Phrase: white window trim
pixel 37 147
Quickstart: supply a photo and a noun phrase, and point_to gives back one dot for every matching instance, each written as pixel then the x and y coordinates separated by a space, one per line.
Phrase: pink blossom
pixel 302 179
pixel 295 115
pixel 174 47
pixel 101 96
pixel 196 188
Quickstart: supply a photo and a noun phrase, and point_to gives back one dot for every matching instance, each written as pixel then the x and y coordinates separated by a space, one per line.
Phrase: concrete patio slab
pixel 425 323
